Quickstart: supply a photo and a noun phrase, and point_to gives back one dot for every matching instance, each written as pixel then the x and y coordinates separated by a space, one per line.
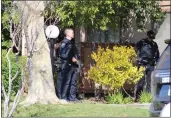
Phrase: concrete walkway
pixel 137 105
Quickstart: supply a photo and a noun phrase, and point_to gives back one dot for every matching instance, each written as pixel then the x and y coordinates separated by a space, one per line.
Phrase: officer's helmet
pixel 151 34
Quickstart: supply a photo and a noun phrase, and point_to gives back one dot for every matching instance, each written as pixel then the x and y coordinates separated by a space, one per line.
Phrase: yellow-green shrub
pixel 115 67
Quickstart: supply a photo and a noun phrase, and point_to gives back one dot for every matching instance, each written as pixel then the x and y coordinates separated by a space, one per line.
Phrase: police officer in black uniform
pixel 65 60
pixel 148 54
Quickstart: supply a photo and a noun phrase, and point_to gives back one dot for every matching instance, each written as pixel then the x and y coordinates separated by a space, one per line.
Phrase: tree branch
pixel 56 21
pixel 3 90
pixel 127 93
pixel 7 100
pixel 9 62
pixel 18 95
pixel 16 74
pixel 11 34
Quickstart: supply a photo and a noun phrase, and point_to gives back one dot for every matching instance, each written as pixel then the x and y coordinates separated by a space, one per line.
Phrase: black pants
pixel 148 78
pixel 59 83
pixel 145 81
pixel 73 85
pixel 66 76
pixel 66 83
pixel 63 83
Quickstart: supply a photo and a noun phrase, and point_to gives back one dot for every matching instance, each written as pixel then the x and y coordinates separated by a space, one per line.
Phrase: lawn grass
pixel 79 109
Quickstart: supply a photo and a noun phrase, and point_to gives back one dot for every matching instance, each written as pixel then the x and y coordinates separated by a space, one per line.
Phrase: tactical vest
pixel 147 51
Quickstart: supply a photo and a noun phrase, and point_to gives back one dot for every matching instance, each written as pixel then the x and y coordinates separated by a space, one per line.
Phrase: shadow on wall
pixel 131 33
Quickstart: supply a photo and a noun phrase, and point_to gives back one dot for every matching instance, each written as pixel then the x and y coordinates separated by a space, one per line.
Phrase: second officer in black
pixel 148 54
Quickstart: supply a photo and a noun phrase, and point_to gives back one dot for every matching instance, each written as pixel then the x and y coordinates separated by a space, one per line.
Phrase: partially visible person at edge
pixel 65 64
pixel 75 71
pixel 148 54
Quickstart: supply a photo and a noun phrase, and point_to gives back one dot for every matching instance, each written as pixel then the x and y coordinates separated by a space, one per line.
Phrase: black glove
pixel 80 65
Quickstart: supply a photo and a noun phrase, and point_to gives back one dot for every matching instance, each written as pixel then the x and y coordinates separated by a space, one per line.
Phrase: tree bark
pixel 41 85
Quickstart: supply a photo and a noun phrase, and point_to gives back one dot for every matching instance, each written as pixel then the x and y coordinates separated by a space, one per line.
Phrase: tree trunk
pixel 41 85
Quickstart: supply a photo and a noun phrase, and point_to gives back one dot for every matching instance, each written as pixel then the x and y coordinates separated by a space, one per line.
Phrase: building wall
pixel 163 33
pixel 164 28
pixel 132 34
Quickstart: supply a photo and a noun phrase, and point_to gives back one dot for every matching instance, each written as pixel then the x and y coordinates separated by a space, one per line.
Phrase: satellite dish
pixel 52 31
pixel 165 111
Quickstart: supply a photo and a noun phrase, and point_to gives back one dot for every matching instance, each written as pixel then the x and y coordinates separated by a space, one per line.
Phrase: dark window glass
pixel 164 91
pixel 99 36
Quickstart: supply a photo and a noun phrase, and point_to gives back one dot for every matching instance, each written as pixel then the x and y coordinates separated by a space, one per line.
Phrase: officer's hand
pixel 74 59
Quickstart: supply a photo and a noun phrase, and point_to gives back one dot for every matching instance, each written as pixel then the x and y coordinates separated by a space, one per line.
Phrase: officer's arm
pixel 157 53
pixel 137 50
pixel 67 53
pixel 76 54
pixel 138 46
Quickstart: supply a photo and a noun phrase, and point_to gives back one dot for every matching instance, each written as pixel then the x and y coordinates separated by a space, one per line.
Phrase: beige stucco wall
pixel 132 33
pixel 163 33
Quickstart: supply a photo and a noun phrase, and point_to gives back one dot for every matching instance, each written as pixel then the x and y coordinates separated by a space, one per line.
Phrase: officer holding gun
pixel 64 64
pixel 67 64
pixel 148 54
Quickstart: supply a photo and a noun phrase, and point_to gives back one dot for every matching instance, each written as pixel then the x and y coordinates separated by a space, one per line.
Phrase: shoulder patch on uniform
pixel 70 46
pixel 63 45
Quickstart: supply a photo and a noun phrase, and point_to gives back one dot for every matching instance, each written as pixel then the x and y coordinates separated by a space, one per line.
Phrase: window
pixel 164 91
pixel 108 36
